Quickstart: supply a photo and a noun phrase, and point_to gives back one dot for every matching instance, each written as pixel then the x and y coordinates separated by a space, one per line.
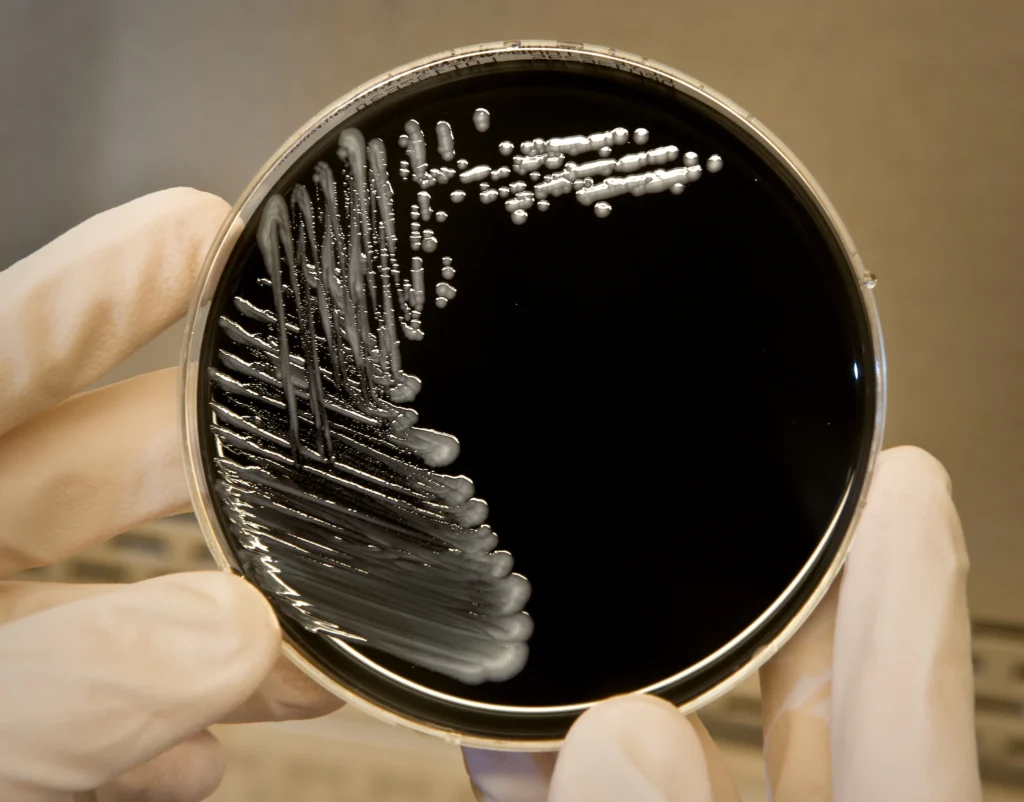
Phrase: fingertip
pixel 236 612
pixel 253 607
pixel 193 204
pixel 913 468
pixel 189 772
pixel 207 763
pixel 902 648
pixel 286 694
pixel 196 201
pixel 630 708
pixel 910 524
pixel 189 220
pixel 633 747
pixel 509 776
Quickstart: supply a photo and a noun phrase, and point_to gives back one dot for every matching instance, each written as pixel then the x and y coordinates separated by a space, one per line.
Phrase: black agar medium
pixel 530 375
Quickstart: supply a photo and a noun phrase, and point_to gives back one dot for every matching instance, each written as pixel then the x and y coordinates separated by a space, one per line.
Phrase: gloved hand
pixel 112 688
pixel 106 691
pixel 871 701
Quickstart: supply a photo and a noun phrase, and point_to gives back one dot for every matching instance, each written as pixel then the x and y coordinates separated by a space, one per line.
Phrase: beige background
pixel 908 112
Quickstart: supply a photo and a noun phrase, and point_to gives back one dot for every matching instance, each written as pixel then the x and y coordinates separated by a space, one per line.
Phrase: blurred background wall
pixel 908 112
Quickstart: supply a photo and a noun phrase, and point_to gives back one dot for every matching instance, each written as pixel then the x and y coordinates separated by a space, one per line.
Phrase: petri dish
pixel 528 375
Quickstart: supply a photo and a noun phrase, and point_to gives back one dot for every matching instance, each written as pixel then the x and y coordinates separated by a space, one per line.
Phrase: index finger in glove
pixel 188 772
pixel 94 466
pixel 902 686
pixel 634 747
pixel 509 776
pixel 96 687
pixel 637 727
pixel 79 306
pixel 286 694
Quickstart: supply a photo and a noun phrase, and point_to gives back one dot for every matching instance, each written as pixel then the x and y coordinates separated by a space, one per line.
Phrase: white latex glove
pixel 871 701
pixel 106 691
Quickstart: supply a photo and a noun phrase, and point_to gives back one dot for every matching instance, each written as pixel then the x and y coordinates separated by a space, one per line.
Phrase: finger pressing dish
pixel 528 375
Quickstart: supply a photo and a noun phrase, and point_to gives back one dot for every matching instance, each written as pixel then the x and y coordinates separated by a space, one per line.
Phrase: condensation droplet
pixel 870 280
